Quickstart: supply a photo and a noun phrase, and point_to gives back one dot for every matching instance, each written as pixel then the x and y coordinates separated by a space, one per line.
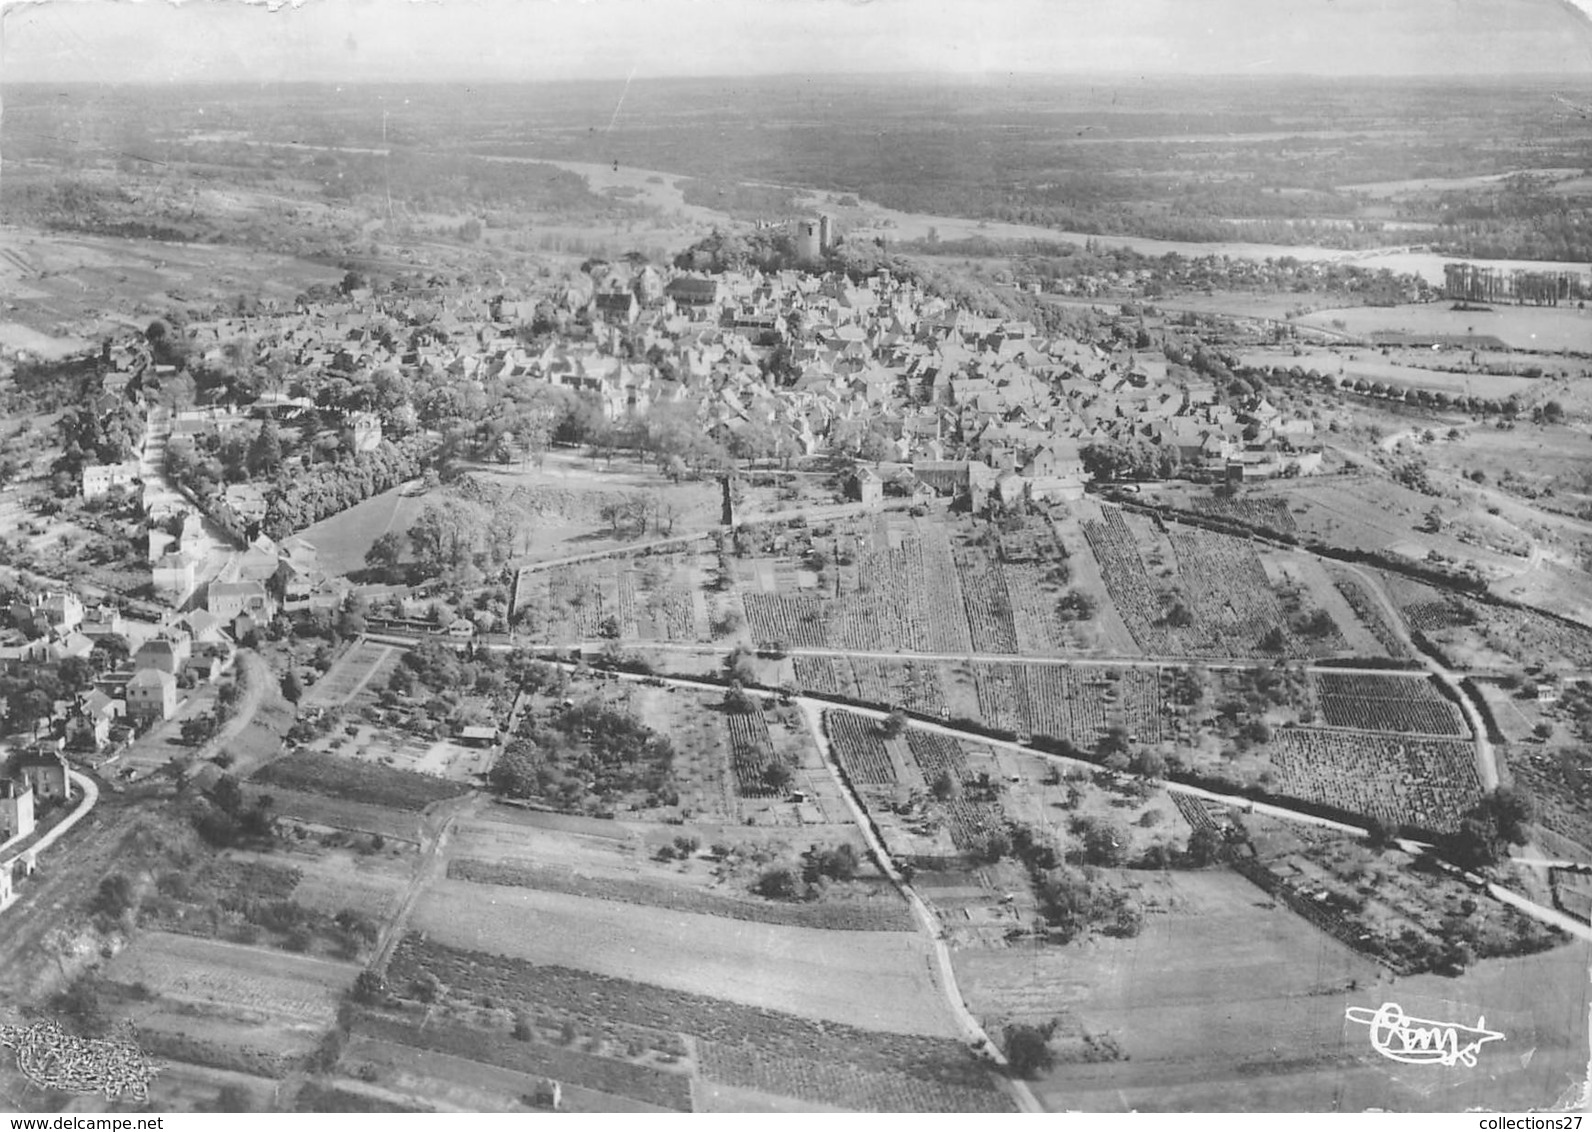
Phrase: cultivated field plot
pixel 915 686
pixel 884 911
pixel 355 781
pixel 337 813
pixel 406 751
pixel 427 1078
pixel 739 1045
pixel 870 979
pixel 246 982
pixel 859 745
pixel 651 598
pixel 907 600
pixel 912 590
pixel 1268 513
pixel 609 1075
pixel 1213 599
pixel 1424 783
pixel 751 752
pixel 371 885
pixel 184 1033
pixel 1368 610
pixel 356 669
pixel 1075 703
pixel 970 822
pixel 1479 633
pixel 1406 704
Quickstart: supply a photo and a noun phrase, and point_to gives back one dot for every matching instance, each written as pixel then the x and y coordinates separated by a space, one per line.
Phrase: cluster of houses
pixel 119 676
pixel 943 382
pixel 777 364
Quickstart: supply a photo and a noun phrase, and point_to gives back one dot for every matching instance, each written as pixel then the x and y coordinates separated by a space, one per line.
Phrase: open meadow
pixel 1542 329
pixel 342 540
pixel 877 980
pixel 1228 1001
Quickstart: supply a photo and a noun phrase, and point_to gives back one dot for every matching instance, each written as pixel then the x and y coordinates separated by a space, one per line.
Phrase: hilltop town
pixel 905 605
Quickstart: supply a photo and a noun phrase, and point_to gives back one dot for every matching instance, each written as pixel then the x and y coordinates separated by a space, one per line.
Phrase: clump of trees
pixel 809 877
pixel 1027 1049
pixel 587 757
pixel 1492 825
pixel 227 820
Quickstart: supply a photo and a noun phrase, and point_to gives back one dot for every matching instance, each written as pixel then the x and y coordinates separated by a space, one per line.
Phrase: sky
pixel 163 41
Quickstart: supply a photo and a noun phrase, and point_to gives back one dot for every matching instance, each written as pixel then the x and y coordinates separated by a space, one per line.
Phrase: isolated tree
pixel 292 690
pixel 946 787
pixel 1205 847
pixel 1076 605
pixel 386 553
pixel 1028 1051
pixel 114 897
pixel 75 673
pixel 778 882
pixel 265 450
pixel 778 776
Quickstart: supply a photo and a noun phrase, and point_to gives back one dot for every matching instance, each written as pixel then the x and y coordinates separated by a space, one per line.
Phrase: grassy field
pixel 99 281
pixel 230 978
pixel 1228 1003
pixel 430 1076
pixel 352 780
pixel 623 1026
pixel 343 539
pixel 339 813
pixel 1548 329
pixel 1351 365
pixel 878 980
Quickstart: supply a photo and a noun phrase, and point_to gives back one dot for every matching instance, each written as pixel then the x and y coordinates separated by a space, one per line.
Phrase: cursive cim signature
pixel 1421 1041
pixel 52 1058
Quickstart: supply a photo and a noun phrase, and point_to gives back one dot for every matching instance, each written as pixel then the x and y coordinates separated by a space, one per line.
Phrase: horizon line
pixel 876 77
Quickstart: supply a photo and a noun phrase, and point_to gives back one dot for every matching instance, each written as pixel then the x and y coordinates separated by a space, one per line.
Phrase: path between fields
pixel 1014 1087
pixel 1235 665
pixel 436 825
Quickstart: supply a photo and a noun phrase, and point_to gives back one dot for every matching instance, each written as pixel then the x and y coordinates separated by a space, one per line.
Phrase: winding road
pixel 970 1026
